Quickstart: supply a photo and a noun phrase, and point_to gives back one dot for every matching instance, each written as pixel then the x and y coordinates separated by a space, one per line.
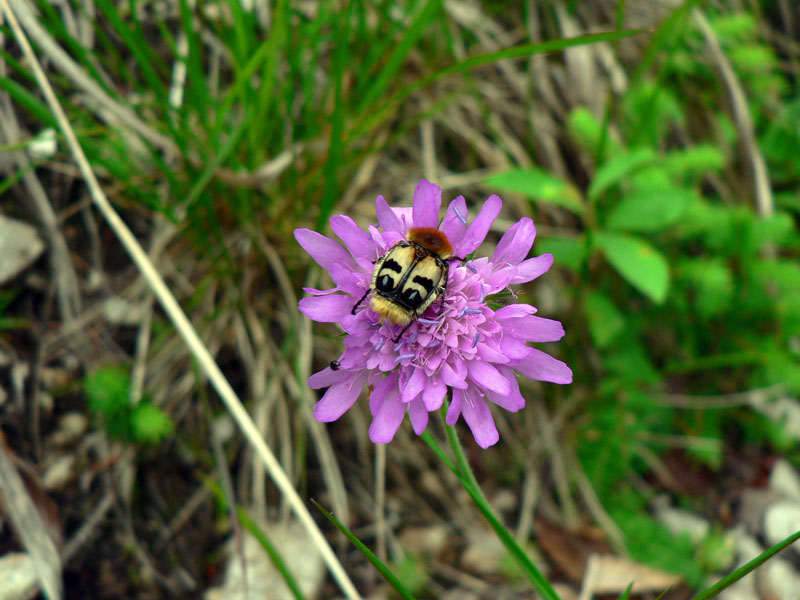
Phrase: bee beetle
pixel 410 276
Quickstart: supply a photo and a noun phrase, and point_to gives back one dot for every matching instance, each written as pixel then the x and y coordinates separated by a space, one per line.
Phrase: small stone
pixel 428 541
pixel 18 578
pixel 20 246
pixel 59 473
pixel 119 311
pixel 777 580
pixel 263 581
pixel 780 521
pixel 71 426
pixel 504 501
pixel 785 480
pixel 755 502
pixel 681 521
pixel 747 548
pixel 485 553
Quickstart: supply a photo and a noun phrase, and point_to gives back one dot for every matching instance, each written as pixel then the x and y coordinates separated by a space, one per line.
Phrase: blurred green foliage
pixel 108 394
pixel 678 282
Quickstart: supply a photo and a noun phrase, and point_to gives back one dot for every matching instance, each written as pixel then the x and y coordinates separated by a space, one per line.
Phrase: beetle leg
pixel 397 339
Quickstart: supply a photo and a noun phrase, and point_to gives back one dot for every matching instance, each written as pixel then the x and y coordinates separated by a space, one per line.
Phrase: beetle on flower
pixel 457 342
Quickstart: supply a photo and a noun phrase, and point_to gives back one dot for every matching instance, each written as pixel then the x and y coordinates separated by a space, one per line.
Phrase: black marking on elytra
pixel 425 282
pixel 392 265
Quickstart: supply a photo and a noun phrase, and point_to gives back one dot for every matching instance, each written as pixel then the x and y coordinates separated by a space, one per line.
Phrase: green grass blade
pixel 464 474
pixel 138 47
pixel 248 523
pixel 216 162
pixel 627 593
pixel 382 568
pixel 664 37
pixel 341 57
pixel 521 51
pixel 411 36
pixel 269 118
pixel 747 568
pixel 238 88
pixel 28 101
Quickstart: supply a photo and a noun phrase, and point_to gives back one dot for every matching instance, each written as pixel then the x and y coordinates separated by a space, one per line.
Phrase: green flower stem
pixel 464 473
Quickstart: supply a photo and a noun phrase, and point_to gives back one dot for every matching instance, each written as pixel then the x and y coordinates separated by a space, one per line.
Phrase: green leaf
pixel 650 209
pixel 616 169
pixel 567 252
pixel 605 319
pixel 107 390
pixel 712 282
pixel 774 229
pixel 644 267
pixel 540 185
pixel 382 568
pixel 585 129
pixel 150 423
pixel 694 161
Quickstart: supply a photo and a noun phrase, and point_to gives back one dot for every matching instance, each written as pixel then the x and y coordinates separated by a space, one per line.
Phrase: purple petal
pixel 479 418
pixel 489 353
pixel 316 292
pixel 418 415
pixel 450 377
pixel 415 385
pixel 513 401
pixel 500 279
pixel 427 201
pixel 515 243
pixel 358 241
pixel 326 309
pixel 406 216
pixel 388 219
pixel 325 251
pixel 433 394
pixel 543 367
pixel 478 229
pixel 338 399
pixel 455 221
pixel 327 377
pixel 486 376
pixel 530 269
pixel 454 410
pixel 514 310
pixel 514 348
pixel 537 329
pixel 384 387
pixel 387 419
pixel 354 283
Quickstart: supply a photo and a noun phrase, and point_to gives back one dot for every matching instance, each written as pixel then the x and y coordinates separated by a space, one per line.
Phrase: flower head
pixel 460 342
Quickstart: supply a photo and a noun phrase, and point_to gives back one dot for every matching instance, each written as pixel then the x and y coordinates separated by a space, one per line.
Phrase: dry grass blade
pixel 30 527
pixel 67 66
pixel 179 319
pixel 741 114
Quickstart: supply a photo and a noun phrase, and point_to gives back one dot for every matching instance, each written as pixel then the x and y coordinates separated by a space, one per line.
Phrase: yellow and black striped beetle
pixel 410 277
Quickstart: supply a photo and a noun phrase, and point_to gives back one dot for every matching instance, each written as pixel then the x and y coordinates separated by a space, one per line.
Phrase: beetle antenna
pixel 357 304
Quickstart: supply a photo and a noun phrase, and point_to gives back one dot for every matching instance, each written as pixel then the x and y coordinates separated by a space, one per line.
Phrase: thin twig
pixel 179 319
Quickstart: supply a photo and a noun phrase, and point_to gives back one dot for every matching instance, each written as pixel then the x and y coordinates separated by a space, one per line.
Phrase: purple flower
pixel 465 345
